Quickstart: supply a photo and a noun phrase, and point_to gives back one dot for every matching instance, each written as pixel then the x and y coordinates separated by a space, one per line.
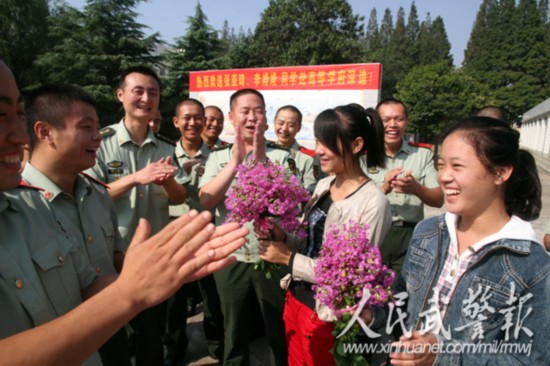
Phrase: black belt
pixel 401 223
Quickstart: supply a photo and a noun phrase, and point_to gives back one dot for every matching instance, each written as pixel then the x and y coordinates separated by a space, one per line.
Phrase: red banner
pixel 348 76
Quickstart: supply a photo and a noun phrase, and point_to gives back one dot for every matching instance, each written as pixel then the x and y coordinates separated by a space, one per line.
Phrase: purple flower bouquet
pixel 348 267
pixel 263 192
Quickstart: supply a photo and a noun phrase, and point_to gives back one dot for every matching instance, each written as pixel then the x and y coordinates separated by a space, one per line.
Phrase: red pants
pixel 309 339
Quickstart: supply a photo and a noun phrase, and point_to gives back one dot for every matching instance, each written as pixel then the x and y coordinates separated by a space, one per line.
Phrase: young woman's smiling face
pixel 468 186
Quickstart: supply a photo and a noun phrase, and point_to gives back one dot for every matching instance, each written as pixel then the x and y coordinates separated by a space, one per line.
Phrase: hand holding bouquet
pixel 348 268
pixel 263 191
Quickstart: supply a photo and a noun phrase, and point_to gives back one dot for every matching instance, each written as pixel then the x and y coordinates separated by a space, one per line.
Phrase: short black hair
pixel 387 101
pixel 242 92
pixel 292 109
pixel 188 101
pixel 139 69
pixel 51 103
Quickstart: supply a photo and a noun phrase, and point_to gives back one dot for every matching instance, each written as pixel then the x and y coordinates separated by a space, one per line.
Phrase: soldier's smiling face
pixel 13 134
pixel 287 126
pixel 140 96
pixel 248 110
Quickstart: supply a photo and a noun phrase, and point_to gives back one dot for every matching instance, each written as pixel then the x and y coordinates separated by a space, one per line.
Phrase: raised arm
pixel 213 192
pixel 185 250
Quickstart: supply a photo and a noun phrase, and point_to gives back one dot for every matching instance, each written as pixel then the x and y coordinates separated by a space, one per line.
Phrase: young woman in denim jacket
pixel 342 135
pixel 476 278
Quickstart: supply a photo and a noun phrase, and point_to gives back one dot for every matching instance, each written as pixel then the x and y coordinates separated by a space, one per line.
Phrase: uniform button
pixel 98 269
pixel 140 195
pixel 19 283
pixel 90 238
pixel 60 259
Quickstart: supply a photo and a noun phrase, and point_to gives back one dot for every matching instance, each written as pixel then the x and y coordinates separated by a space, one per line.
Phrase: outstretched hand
pixel 187 249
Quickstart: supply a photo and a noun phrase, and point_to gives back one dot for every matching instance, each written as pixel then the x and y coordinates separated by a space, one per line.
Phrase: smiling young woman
pixel 483 253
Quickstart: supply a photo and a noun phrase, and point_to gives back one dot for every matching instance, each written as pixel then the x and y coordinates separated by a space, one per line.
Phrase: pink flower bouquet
pixel 348 267
pixel 263 192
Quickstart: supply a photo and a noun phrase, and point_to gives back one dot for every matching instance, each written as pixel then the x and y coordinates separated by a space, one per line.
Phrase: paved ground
pixel 197 353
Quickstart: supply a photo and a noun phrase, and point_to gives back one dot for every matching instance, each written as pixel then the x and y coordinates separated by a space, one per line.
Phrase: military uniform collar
pixel 124 136
pixel 180 152
pixel 51 190
pixel 406 148
pixel 295 145
pixel 5 203
pixel 219 143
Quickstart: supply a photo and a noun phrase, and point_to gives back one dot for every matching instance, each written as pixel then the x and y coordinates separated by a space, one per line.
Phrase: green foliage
pixel 435 94
pixel 402 46
pixel 24 31
pixel 372 42
pixel 307 32
pixel 397 59
pixel 433 43
pixel 508 51
pixel 104 40
pixel 198 49
pixel 241 51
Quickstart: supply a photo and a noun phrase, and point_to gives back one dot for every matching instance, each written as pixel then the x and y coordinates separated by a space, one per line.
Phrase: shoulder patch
pixel 92 179
pixel 421 144
pixel 24 184
pixel 274 145
pixel 229 145
pixel 165 139
pixel 107 131
pixel 307 151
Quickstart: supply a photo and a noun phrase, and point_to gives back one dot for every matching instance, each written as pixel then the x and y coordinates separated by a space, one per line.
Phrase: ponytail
pixel 374 139
pixel 523 191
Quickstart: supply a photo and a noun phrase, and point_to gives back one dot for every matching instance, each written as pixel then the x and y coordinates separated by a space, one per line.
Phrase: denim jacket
pixel 503 264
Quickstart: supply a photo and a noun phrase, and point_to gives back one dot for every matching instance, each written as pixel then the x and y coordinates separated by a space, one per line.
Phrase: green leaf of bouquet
pixel 340 349
pixel 359 360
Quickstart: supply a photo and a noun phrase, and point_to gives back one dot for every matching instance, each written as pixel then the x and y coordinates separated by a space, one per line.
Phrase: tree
pixel 198 49
pixel 508 51
pixel 307 32
pixel 372 38
pixel 24 35
pixel 397 58
pixel 433 44
pixel 413 31
pixel 435 94
pixel 241 51
pixel 527 59
pixel 104 40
